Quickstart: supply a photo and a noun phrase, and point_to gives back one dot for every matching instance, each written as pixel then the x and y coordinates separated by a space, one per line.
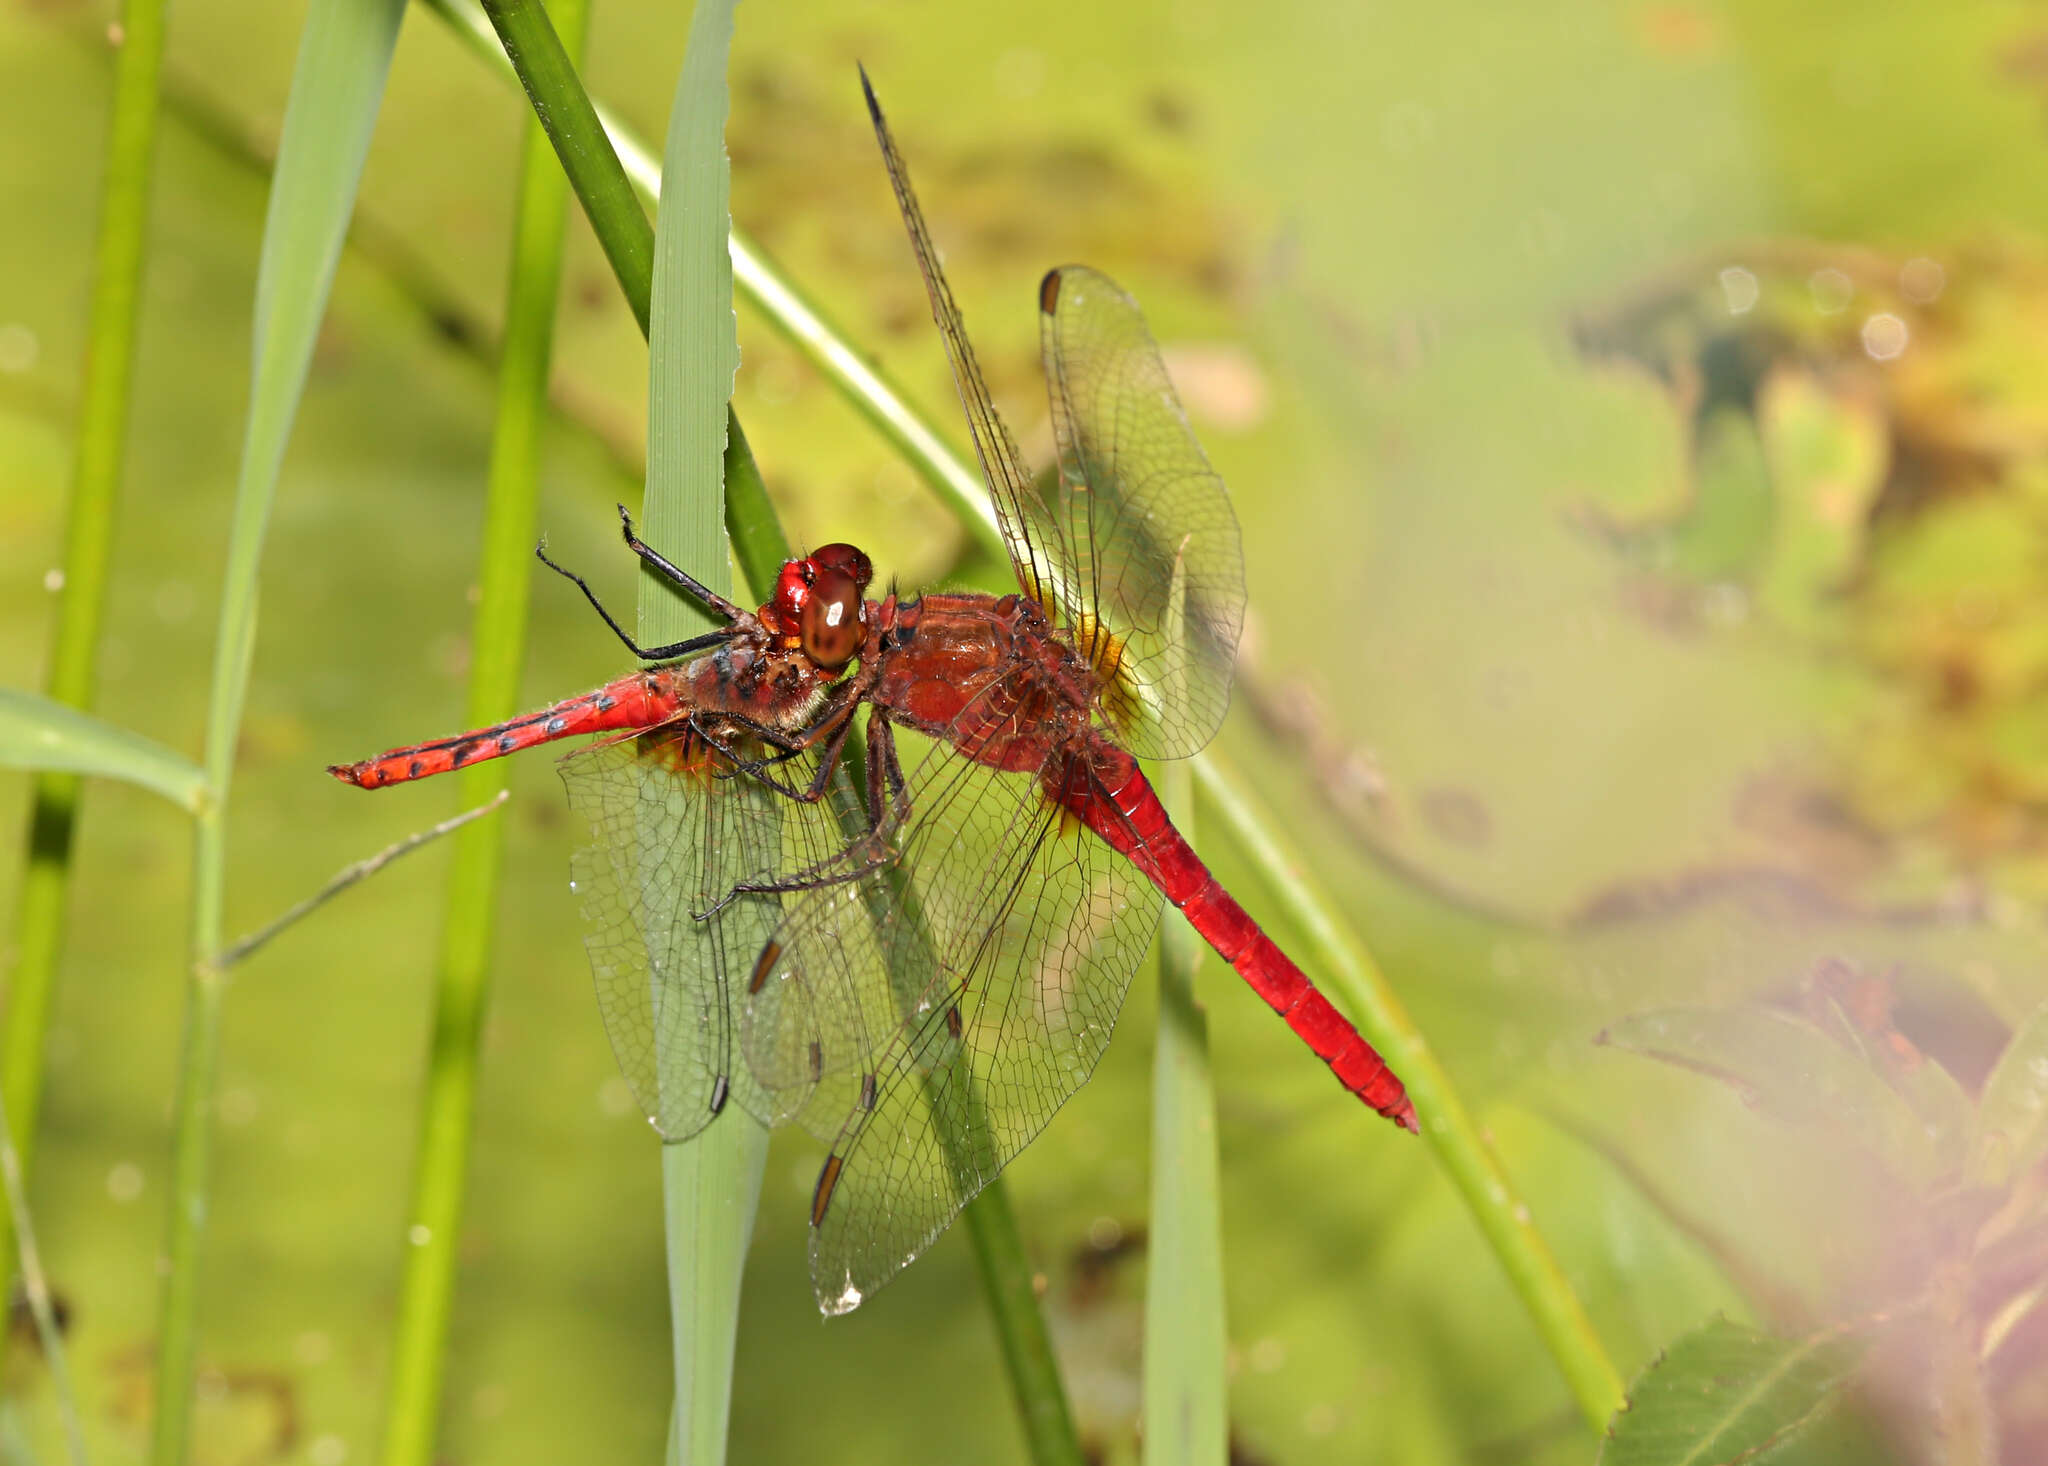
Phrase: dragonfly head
pixel 819 603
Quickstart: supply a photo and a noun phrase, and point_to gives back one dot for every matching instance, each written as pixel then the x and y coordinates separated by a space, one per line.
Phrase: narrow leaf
pixel 36 733
pixel 1187 1394
pixel 710 1186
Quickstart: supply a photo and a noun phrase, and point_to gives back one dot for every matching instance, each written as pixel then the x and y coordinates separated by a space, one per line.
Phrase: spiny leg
pixel 884 768
pixel 872 850
pixel 646 653
pixel 668 570
pixel 714 728
pixel 835 725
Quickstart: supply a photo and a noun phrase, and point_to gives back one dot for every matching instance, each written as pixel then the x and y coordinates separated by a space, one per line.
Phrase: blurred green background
pixel 1638 418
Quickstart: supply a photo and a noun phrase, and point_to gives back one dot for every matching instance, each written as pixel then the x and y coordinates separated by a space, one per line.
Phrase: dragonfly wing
pixel 672 831
pixel 1135 508
pixel 1134 502
pixel 1002 465
pixel 974 981
pixel 819 1003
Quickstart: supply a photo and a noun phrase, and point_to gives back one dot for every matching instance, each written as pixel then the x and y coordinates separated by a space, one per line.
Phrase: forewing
pixel 672 831
pixel 972 984
pixel 1135 504
pixel 1001 465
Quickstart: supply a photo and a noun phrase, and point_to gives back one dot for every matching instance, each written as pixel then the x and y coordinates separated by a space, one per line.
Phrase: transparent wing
pixel 956 997
pixel 672 831
pixel 1009 484
pixel 1135 504
pixel 1135 497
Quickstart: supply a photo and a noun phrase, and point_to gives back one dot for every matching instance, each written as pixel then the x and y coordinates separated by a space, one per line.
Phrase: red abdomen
pixel 637 701
pixel 1109 794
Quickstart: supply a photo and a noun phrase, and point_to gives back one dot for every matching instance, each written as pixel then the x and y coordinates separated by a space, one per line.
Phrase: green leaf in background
pixel 1727 1393
pixel 36 733
pixel 2010 1135
pixel 1793 1072
pixel 337 87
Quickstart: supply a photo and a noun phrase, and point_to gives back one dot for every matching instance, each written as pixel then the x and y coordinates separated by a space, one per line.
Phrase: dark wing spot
pixel 953 1024
pixel 817 1061
pixel 867 1090
pixel 1049 292
pixel 828 1181
pixel 719 1092
pixel 770 955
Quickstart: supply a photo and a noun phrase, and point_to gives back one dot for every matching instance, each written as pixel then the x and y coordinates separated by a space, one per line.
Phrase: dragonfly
pixel 885 867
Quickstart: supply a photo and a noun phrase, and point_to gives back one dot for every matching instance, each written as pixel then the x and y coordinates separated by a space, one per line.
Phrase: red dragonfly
pixel 923 970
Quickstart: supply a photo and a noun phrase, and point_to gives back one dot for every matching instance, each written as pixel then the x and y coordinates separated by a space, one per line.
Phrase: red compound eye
pixel 832 621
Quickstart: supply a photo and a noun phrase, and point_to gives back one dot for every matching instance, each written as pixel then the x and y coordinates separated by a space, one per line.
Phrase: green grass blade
pixel 74 653
pixel 1012 1297
pixel 711 1186
pixel 337 86
pixel 1354 980
pixel 1187 1389
pixel 758 543
pixel 498 640
pixel 693 347
pixel 37 733
pixel 563 107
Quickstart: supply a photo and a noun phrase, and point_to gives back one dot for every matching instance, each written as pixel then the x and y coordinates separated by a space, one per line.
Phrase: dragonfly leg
pixel 714 729
pixel 645 653
pixel 887 812
pixel 754 768
pixel 885 771
pixel 837 727
pixel 833 725
pixel 866 856
pixel 668 570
